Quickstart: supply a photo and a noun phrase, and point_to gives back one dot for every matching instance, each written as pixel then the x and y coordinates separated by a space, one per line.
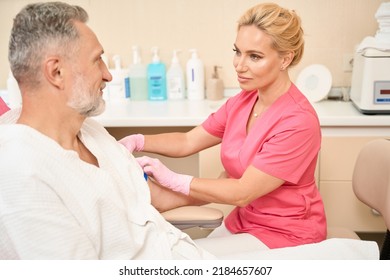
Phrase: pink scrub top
pixel 284 142
pixel 3 107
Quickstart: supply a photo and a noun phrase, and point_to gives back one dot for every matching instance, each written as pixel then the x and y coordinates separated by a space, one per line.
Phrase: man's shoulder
pixel 10 117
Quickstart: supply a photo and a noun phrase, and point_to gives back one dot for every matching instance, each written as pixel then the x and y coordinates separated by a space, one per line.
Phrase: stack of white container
pixel 383 18
pixel 381 40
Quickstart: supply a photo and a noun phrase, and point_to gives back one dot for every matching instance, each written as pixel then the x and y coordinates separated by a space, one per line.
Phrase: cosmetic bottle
pixel 215 87
pixel 195 77
pixel 117 84
pixel 175 79
pixel 138 77
pixel 156 76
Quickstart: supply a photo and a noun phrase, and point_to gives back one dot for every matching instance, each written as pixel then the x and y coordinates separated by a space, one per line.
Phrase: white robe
pixel 55 206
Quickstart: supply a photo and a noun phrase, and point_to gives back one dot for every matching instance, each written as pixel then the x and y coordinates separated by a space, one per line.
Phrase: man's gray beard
pixel 84 102
pixel 92 110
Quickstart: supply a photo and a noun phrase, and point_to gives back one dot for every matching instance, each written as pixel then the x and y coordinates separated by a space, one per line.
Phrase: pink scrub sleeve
pixel 215 124
pixel 3 107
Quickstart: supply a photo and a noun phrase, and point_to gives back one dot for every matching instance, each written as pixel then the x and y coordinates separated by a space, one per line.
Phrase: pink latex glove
pixel 134 142
pixel 164 176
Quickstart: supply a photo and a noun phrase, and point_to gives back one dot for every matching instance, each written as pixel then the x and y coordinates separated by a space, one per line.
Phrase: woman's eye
pixel 255 57
pixel 236 51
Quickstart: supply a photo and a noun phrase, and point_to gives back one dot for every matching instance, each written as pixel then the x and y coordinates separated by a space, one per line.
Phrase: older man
pixel 68 190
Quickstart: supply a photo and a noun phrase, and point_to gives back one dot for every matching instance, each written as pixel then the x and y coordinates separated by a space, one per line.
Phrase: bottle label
pixel 127 87
pixel 157 90
pixel 175 88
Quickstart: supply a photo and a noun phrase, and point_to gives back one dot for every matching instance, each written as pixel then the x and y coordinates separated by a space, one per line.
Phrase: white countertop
pixel 191 113
pixel 157 113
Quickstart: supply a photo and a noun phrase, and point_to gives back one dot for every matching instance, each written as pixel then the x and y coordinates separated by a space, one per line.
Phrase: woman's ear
pixel 53 71
pixel 287 58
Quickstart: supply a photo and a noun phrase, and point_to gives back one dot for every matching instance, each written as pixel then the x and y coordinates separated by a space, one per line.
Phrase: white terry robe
pixel 55 206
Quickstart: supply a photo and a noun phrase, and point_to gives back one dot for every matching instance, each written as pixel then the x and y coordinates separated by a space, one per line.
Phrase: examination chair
pixel 371 183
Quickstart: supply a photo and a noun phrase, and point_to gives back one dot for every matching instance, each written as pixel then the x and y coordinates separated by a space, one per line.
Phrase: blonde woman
pixel 270 138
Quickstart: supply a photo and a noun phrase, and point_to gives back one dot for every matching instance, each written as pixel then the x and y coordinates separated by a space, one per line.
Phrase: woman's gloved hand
pixel 134 142
pixel 164 176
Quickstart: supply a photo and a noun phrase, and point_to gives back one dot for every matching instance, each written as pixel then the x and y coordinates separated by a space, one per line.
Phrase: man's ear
pixel 53 71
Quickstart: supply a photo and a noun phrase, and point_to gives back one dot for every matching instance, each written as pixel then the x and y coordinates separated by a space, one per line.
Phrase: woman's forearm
pixel 180 144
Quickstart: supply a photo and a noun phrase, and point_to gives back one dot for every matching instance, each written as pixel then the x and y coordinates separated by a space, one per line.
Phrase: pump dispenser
pixel 175 79
pixel 195 77
pixel 117 85
pixel 215 87
pixel 138 77
pixel 156 76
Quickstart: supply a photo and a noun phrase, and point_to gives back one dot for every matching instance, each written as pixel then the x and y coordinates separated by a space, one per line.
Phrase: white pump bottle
pixel 117 85
pixel 175 79
pixel 195 77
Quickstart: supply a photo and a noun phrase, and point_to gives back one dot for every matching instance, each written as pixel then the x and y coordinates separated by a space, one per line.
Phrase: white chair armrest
pixel 194 216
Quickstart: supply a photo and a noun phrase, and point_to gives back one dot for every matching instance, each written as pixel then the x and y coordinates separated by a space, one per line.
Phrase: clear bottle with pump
pixel 157 78
pixel 117 84
pixel 195 77
pixel 175 79
pixel 138 77
pixel 215 87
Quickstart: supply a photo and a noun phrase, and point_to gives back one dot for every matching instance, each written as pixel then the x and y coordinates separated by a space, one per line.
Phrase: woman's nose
pixel 240 65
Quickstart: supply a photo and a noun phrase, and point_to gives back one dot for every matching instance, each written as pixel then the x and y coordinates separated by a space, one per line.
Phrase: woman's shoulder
pixel 241 97
pixel 294 109
pixel 300 101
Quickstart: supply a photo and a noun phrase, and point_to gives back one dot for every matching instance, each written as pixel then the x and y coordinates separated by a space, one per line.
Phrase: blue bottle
pixel 157 80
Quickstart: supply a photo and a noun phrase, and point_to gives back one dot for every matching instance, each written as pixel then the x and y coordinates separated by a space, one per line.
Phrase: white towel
pixel 383 11
pixel 373 43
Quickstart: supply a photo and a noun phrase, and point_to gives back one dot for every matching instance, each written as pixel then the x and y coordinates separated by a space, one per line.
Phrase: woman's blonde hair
pixel 283 25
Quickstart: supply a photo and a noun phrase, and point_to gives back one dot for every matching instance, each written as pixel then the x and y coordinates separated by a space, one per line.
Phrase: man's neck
pixel 61 126
pixel 63 130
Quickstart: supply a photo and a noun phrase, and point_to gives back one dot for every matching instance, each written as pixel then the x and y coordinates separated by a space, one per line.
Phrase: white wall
pixel 332 28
